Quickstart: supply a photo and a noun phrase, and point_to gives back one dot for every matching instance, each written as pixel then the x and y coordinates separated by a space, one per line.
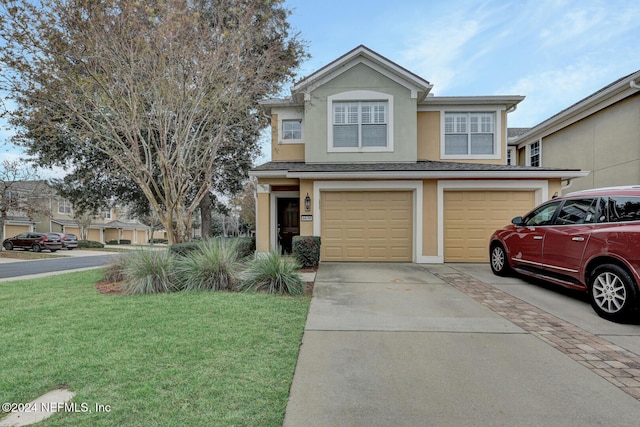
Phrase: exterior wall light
pixel 307 203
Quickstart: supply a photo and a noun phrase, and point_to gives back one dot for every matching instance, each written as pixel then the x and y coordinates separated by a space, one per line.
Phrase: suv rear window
pixel 623 209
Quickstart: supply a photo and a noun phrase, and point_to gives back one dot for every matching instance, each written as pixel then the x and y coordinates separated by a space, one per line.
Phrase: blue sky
pixel 554 52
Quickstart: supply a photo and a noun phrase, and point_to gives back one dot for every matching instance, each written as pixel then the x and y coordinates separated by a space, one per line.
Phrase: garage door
pixel 366 226
pixel 14 230
pixel 470 217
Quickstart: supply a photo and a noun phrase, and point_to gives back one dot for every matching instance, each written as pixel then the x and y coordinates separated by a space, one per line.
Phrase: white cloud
pixel 549 92
pixel 437 54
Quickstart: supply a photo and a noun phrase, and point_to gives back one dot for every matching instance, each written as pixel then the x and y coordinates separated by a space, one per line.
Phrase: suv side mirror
pixel 517 221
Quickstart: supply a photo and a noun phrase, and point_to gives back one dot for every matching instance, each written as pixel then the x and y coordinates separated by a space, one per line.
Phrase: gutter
pixel 565 175
pixel 634 85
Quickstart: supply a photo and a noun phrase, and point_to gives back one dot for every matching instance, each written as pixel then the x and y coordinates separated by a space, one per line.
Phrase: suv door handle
pixel 578 239
pixel 537 237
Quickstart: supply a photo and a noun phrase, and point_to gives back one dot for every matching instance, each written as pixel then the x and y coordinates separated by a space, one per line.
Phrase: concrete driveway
pixel 453 345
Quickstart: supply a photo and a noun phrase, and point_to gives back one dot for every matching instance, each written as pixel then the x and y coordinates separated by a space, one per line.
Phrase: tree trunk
pixel 205 216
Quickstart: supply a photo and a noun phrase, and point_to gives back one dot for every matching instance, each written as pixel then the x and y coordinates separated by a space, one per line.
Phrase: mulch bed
pixel 115 288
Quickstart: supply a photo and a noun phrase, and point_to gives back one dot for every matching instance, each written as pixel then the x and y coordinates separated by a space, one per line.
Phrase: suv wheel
pixel 8 246
pixel 36 248
pixel 611 292
pixel 498 260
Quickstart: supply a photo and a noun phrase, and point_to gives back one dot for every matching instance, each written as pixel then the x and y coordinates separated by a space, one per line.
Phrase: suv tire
pixel 8 246
pixel 611 291
pixel 498 260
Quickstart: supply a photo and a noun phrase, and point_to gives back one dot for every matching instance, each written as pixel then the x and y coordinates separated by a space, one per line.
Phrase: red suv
pixel 588 240
pixel 34 241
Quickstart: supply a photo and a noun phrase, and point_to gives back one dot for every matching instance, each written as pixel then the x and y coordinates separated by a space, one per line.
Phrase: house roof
pixel 608 95
pixel 420 169
pixel 513 133
pixel 419 87
pixel 112 224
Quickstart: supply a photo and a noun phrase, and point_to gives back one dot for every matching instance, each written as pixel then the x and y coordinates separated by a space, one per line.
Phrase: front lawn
pixel 173 359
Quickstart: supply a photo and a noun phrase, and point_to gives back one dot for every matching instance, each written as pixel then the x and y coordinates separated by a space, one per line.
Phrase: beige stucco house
pixel 41 209
pixel 366 158
pixel 600 133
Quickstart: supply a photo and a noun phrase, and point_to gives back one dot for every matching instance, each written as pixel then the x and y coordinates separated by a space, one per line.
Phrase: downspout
pixel 569 184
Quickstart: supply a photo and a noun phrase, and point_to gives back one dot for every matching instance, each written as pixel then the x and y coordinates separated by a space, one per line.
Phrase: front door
pixel 288 222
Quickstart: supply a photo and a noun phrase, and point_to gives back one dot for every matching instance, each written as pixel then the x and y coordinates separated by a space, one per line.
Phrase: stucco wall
pixel 606 143
pixel 360 77
pixel 430 135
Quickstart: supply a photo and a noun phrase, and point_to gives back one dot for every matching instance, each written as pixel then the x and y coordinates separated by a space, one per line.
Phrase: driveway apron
pixel 396 345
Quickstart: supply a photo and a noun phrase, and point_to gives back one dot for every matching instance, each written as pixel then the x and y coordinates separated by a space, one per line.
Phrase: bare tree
pixel 153 85
pixel 21 192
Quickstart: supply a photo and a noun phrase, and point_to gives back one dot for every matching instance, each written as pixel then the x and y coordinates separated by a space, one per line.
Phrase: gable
pixel 417 86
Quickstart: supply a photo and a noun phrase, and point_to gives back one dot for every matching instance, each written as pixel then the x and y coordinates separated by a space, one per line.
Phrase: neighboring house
pixel 366 158
pixel 23 204
pixel 600 133
pixel 109 224
pixel 40 209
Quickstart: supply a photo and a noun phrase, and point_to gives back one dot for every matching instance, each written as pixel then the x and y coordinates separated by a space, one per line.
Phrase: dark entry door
pixel 288 222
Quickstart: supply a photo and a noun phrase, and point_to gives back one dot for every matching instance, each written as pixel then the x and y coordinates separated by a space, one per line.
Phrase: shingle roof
pixel 420 166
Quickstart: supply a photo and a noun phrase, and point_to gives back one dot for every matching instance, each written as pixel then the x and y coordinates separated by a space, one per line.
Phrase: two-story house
pixel 366 158
pixel 35 206
pixel 600 133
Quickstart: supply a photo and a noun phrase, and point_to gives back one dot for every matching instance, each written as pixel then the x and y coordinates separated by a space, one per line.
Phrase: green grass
pixel 174 359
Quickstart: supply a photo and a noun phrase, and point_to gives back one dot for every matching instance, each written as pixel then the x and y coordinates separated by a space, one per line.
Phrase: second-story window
pixel 469 134
pixel 292 129
pixel 360 124
pixel 107 213
pixel 534 154
pixel 64 207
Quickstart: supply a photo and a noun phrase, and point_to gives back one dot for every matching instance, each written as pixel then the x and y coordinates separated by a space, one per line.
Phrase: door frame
pixel 273 215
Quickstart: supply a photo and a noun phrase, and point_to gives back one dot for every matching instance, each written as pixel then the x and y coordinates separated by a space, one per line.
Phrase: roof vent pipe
pixel 634 85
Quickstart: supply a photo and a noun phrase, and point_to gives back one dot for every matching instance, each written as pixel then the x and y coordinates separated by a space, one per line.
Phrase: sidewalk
pixel 398 344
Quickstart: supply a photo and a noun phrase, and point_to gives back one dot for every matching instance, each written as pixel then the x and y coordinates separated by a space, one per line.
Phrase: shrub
pixel 89 244
pixel 213 265
pixel 246 246
pixel 112 242
pixel 274 274
pixel 148 272
pixel 306 250
pixel 182 249
pixel 156 240
pixel 125 242
pixel 114 272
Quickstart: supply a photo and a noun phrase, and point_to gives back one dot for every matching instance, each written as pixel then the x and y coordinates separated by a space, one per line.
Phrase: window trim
pixel 360 96
pixel 284 140
pixel 511 151
pixel 539 142
pixel 64 203
pixel 497 141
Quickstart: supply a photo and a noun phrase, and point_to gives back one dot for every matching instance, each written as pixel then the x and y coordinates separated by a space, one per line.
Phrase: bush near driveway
pixel 272 273
pixel 306 250
pixel 213 264
pixel 175 359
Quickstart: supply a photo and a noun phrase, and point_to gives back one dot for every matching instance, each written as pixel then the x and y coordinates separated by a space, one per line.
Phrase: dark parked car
pixel 69 241
pixel 34 241
pixel 588 240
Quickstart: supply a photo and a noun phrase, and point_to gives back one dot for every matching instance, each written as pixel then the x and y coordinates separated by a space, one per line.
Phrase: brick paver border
pixel 615 364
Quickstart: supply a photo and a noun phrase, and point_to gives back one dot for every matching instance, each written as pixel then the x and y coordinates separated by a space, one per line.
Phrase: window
pixel 623 209
pixel 543 215
pixel 107 213
pixel 534 153
pixel 469 134
pixel 64 207
pixel 579 211
pixel 291 129
pixel 511 156
pixel 360 124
